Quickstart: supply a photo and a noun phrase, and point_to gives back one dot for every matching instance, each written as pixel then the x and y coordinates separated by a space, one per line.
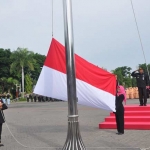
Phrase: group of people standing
pixel 133 93
pixel 5 98
pixel 142 84
pixel 37 98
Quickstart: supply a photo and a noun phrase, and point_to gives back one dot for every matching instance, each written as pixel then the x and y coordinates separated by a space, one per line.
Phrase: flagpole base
pixel 74 140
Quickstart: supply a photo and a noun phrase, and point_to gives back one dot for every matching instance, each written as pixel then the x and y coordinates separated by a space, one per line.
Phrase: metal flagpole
pixel 74 140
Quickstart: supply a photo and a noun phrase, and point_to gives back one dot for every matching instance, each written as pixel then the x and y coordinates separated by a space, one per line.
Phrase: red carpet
pixel 136 117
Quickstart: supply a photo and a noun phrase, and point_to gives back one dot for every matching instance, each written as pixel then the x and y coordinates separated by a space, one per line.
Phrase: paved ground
pixel 45 125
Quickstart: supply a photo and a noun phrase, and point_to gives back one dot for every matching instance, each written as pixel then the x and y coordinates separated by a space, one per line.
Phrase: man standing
pixel 2 118
pixel 142 83
pixel 8 98
pixel 27 95
pixel 34 97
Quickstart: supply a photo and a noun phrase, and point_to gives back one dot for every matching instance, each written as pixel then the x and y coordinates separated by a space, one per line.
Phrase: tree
pixel 5 62
pixel 134 84
pixel 37 66
pixel 118 72
pixel 128 82
pixel 7 84
pixel 145 67
pixel 3 82
pixel 22 58
pixel 123 75
pixel 28 83
pixel 11 82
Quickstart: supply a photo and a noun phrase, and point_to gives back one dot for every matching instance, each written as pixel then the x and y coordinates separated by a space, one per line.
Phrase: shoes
pixel 144 104
pixel 140 105
pixel 119 133
pixel 1 144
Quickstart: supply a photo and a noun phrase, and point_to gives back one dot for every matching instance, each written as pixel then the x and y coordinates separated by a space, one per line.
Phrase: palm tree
pixel 22 58
pixel 11 82
pixel 3 82
pixel 7 83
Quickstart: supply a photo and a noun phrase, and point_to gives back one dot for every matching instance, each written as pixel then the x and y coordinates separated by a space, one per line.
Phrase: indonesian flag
pixel 95 86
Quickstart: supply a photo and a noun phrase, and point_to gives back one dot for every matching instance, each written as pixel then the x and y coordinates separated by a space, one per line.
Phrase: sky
pixel 105 32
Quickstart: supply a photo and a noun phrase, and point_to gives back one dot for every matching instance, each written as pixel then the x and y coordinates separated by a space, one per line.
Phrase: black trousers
pixel 120 121
pixel 0 130
pixel 142 95
pixel 147 93
pixel 27 99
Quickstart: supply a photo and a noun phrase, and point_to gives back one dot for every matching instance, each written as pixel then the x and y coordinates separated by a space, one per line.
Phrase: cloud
pixel 104 31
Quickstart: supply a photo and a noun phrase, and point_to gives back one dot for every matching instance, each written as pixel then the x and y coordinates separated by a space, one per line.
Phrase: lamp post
pixel 74 140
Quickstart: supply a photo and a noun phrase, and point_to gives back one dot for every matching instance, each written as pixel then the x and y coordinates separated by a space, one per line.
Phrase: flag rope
pixel 140 37
pixel 58 148
pixel 52 17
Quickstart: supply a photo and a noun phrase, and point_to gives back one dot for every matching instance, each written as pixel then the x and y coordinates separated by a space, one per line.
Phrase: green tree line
pixel 19 67
pixel 23 67
pixel 124 74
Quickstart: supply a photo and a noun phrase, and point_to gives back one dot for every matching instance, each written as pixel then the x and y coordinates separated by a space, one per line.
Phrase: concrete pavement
pixel 45 125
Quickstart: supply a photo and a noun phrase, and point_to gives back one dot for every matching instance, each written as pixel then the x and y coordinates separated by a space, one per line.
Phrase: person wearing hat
pixel 142 83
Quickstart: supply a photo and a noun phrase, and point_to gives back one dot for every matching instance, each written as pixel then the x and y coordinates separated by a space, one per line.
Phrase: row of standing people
pixel 5 98
pixel 133 93
pixel 37 98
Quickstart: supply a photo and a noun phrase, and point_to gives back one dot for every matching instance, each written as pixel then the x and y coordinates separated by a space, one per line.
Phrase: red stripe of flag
pixel 85 71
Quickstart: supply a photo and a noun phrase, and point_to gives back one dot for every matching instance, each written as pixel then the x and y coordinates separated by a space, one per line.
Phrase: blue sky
pixel 104 30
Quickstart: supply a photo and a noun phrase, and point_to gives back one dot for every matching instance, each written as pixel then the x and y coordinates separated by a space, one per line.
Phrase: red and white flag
pixel 95 86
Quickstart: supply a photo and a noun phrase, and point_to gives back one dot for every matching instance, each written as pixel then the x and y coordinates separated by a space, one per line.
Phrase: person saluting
pixel 142 83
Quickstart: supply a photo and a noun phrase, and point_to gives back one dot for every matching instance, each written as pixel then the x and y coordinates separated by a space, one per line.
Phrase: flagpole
pixel 73 140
